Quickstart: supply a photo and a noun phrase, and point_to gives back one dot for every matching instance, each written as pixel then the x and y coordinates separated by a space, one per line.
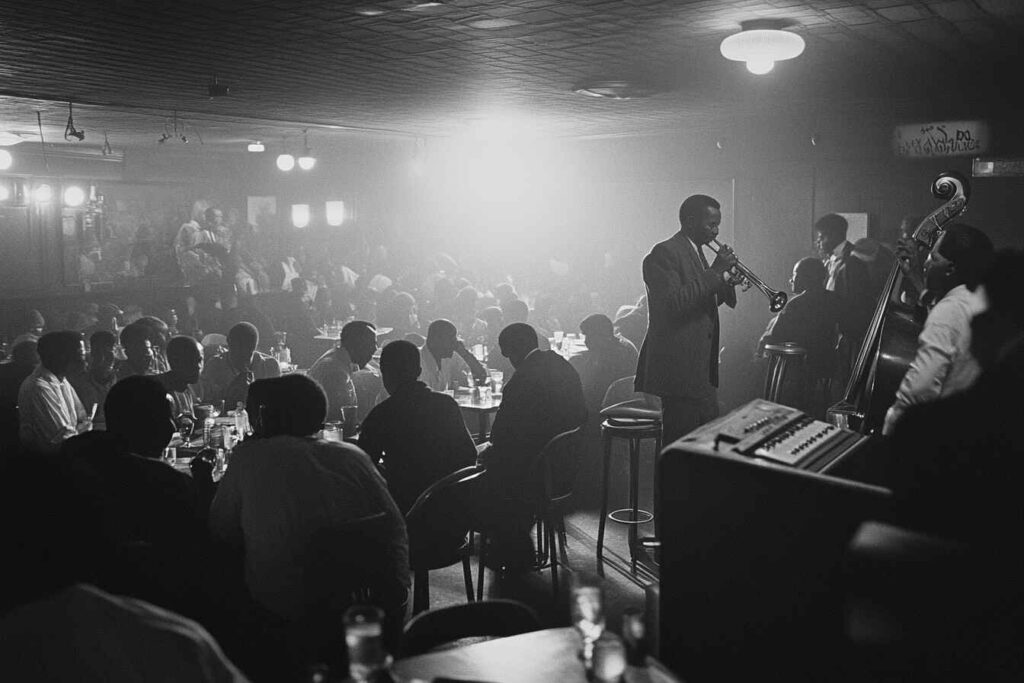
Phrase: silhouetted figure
pixel 49 410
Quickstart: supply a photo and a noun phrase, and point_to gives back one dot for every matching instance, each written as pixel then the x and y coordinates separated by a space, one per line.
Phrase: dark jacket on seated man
pixel 543 399
pixel 419 434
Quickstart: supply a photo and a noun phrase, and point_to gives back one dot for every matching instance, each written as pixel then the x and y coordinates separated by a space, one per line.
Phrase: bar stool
pixel 783 360
pixel 634 419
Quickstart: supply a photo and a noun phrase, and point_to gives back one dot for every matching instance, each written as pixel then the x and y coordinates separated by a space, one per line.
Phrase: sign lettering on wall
pixel 942 139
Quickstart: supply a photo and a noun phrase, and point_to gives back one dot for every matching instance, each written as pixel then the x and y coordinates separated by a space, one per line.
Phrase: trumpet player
pixel 679 356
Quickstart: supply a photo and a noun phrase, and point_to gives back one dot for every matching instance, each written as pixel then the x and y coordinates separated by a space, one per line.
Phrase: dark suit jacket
pixel 853 285
pixel 679 356
pixel 810 320
pixel 543 399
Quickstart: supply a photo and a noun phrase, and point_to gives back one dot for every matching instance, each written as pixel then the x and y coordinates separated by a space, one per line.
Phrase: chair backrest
pixel 499 618
pixel 439 514
pixel 621 392
pixel 559 461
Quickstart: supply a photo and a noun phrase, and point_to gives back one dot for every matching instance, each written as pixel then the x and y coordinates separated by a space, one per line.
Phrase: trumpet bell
pixel 777 301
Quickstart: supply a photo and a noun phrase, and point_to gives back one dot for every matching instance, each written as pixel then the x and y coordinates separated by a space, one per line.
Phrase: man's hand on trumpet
pixel 724 261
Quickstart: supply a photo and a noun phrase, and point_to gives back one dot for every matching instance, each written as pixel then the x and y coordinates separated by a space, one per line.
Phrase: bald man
pixel 445 360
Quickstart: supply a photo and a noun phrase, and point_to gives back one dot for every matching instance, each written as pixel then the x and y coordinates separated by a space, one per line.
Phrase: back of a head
pixel 493 316
pixel 137 409
pixel 970 250
pixel 356 328
pixel 439 329
pixel 832 224
pixel 181 348
pixel 295 406
pixel 518 338
pixel 134 334
pixel 243 336
pixel 597 325
pixel 812 271
pixel 400 362
pixel 57 349
pixel 25 353
pixel 102 340
pixel 515 311
pixel 694 206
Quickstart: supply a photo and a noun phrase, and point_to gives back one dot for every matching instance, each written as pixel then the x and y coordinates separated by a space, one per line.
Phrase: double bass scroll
pixel 890 341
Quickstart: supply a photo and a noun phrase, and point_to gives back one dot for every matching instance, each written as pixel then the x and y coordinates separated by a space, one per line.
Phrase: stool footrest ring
pixel 626 516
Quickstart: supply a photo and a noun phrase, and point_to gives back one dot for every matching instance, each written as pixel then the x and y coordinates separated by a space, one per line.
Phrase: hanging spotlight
pixel 43 194
pixel 69 130
pixel 74 196
pixel 255 146
pixel 300 215
pixel 760 44
pixel 307 161
pixel 6 160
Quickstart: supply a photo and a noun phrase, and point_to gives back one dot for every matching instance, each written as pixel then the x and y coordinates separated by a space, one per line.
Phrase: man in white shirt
pixel 944 363
pixel 336 370
pixel 49 410
pixel 445 361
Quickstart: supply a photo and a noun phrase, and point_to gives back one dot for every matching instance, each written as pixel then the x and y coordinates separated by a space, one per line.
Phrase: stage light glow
pixel 43 194
pixel 255 146
pixel 335 211
pixel 285 162
pixel 6 160
pixel 306 163
pixel 74 196
pixel 300 215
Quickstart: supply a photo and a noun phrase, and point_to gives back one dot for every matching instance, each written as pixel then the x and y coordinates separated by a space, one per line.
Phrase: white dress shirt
pixel 944 364
pixel 449 374
pixel 49 411
pixel 832 262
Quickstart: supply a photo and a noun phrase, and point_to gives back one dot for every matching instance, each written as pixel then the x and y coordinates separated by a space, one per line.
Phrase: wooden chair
pixel 439 528
pixel 496 618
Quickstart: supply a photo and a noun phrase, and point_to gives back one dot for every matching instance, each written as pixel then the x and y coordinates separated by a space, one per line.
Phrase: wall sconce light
pixel 5 192
pixel 6 160
pixel 43 194
pixel 307 161
pixel 300 215
pixel 74 196
pixel 335 211
pixel 255 146
pixel 285 161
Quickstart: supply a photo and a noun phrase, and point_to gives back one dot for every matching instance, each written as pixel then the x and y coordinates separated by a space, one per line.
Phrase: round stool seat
pixel 782 360
pixel 631 428
pixel 630 516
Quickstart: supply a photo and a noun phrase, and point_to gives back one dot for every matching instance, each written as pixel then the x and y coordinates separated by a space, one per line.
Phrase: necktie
pixel 703 259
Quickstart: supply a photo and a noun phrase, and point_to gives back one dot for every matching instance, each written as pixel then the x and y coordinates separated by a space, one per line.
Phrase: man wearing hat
pixel 335 370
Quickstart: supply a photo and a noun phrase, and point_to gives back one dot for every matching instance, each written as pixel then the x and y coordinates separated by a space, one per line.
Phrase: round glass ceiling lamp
pixel 760 48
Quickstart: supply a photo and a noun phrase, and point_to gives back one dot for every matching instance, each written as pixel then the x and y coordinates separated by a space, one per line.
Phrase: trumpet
pixel 745 277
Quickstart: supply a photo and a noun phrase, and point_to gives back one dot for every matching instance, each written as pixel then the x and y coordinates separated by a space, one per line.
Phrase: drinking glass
pixel 609 659
pixel 364 639
pixel 559 334
pixel 587 612
pixel 497 377
pixel 218 409
pixel 350 417
pixel 332 432
pixel 170 455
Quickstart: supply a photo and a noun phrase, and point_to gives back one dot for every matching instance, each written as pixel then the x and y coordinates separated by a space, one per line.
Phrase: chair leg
pixel 420 591
pixel 480 569
pixel 604 504
pixel 467 574
pixel 634 495
pixel 554 559
pixel 562 541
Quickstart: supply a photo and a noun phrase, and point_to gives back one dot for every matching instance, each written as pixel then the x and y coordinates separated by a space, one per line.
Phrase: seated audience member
pixel 227 377
pixel 24 359
pixel 32 327
pixel 474 330
pixel 810 320
pixel 542 313
pixel 241 308
pixel 419 434
pixel 543 399
pixel 158 336
pixel 185 356
pixel 517 311
pixel 334 370
pixel 146 501
pixel 92 383
pixel 400 314
pixel 293 316
pixel 286 493
pixel 632 323
pixel 445 361
pixel 55 626
pixel 49 410
pixel 954 463
pixel 138 352
pixel 944 363
pixel 608 357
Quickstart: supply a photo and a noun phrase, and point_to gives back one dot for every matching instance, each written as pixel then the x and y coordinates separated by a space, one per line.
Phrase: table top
pixel 485 404
pixel 548 655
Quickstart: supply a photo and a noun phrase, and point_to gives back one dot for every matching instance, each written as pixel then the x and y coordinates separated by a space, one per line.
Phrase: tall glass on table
pixel 587 612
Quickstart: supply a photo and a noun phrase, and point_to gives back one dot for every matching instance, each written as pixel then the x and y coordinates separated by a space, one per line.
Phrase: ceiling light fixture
pixel 285 161
pixel 69 130
pixel 614 90
pixel 760 44
pixel 256 146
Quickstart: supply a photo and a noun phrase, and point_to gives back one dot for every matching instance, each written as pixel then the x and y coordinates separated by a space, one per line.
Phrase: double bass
pixel 890 342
